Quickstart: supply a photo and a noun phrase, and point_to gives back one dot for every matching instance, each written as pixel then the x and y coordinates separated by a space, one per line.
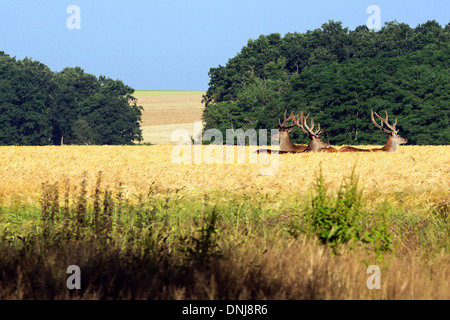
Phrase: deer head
pixel 316 144
pixel 284 128
pixel 394 140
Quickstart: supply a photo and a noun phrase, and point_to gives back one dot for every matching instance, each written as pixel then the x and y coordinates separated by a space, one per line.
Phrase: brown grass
pixel 162 134
pixel 164 112
pixel 304 269
pixel 299 270
pixel 176 109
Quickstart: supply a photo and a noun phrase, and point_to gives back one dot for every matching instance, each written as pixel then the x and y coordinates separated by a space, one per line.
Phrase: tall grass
pixel 224 245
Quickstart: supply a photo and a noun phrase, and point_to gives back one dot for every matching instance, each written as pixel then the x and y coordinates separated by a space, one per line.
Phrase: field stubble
pixel 166 111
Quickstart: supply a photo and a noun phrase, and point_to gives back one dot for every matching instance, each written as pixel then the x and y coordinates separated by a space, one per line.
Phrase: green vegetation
pixel 338 76
pixel 216 246
pixel 343 221
pixel 41 107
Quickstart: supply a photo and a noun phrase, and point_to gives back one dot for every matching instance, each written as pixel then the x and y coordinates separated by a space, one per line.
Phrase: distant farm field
pixel 166 111
pixel 159 93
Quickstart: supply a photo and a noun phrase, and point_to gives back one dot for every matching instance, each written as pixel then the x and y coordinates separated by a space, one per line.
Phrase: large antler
pixel 300 121
pixel 384 121
pixel 283 125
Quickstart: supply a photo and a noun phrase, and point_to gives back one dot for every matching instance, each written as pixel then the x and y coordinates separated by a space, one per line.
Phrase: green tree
pixel 40 107
pixel 24 101
pixel 339 76
pixel 84 133
pixel 114 113
pixel 74 87
pixel 106 105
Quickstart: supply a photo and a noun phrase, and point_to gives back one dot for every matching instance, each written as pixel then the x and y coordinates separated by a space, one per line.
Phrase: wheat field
pixel 167 111
pixel 415 173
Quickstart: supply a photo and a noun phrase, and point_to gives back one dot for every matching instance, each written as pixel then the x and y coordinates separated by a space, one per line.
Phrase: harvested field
pixel 166 111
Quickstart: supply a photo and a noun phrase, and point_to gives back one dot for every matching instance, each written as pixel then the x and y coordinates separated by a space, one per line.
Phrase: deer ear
pixel 289 130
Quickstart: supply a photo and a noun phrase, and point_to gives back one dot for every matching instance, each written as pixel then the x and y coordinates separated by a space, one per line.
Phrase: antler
pixel 300 121
pixel 291 117
pixel 384 121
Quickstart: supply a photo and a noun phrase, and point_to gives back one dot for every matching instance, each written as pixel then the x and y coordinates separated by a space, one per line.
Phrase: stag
pixel 316 144
pixel 394 140
pixel 286 145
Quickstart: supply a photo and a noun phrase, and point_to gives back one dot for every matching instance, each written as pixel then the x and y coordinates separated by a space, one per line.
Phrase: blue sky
pixel 171 45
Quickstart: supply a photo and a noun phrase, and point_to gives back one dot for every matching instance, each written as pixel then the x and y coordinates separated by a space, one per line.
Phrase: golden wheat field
pixel 412 174
pixel 166 111
pixel 170 107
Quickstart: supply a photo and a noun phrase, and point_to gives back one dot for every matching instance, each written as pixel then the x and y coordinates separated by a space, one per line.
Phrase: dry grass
pixel 169 108
pixel 162 134
pixel 297 270
pixel 304 269
pixel 414 174
pixel 166 111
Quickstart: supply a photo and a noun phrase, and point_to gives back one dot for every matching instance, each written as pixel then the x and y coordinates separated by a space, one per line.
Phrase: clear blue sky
pixel 171 45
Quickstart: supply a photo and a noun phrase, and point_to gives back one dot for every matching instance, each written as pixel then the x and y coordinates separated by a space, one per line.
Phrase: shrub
pixel 342 219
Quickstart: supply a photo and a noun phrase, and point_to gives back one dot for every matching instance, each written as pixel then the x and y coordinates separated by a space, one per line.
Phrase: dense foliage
pixel 338 76
pixel 41 107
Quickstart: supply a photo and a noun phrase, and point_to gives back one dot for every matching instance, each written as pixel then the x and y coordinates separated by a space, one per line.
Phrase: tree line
pixel 338 76
pixel 42 107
